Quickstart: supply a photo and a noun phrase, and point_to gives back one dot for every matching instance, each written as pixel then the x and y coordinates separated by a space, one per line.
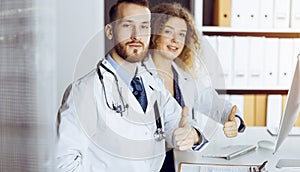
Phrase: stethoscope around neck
pixel 159 134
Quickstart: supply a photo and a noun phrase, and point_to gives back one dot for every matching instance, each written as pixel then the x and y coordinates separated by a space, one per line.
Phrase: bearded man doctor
pixel 118 117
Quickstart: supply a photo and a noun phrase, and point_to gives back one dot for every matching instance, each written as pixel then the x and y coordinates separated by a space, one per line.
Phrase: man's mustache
pixel 135 42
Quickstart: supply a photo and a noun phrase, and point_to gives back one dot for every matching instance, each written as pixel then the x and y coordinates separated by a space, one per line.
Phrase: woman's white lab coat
pixel 202 101
pixel 92 137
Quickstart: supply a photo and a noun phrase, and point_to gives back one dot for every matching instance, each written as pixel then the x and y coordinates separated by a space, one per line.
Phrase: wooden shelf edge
pixel 246 30
pixel 260 91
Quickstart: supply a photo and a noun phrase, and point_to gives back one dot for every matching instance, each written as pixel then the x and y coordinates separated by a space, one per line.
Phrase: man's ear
pixel 108 31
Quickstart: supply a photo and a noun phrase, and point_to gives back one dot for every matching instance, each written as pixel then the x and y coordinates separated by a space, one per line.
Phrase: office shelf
pixel 213 29
pixel 252 91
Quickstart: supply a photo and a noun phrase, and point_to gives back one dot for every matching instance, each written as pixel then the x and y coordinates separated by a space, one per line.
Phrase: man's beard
pixel 133 57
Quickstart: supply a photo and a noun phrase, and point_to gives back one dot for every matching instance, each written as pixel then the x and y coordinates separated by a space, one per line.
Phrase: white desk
pixel 290 149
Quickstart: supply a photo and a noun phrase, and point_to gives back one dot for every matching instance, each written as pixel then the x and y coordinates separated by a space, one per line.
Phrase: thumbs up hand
pixel 185 136
pixel 184 117
pixel 231 126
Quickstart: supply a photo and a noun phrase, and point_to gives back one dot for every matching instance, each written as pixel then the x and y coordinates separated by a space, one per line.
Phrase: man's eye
pixel 125 25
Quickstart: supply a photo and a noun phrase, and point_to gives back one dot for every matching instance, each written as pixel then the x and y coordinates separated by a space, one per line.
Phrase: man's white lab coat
pixel 92 137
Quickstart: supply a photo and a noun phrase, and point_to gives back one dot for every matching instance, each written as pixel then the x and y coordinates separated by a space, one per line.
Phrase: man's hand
pixel 185 136
pixel 231 126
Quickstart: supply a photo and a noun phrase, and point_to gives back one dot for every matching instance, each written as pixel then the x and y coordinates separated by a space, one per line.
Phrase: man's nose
pixel 135 33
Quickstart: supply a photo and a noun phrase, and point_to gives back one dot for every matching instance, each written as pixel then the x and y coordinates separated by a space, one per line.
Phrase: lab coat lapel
pixel 132 102
pixel 187 86
pixel 136 112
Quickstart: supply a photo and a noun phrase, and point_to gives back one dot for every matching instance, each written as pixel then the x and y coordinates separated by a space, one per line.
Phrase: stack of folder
pixel 257 13
pixel 256 62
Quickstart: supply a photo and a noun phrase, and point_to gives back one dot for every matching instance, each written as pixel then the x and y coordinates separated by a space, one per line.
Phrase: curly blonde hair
pixel 192 42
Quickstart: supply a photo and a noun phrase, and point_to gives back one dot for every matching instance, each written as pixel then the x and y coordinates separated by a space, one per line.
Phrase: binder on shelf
pixel 211 61
pixel 251 8
pixel 238 14
pixel 281 13
pixel 249 109
pixel 240 61
pixel 271 55
pixel 285 61
pixel 225 46
pixel 245 14
pixel 284 96
pixel 256 62
pixel 274 110
pixel 295 14
pixel 212 41
pixel 296 50
pixel 207 12
pixel 260 109
pixel 265 16
pixel 226 97
pixel 222 13
pixel 297 123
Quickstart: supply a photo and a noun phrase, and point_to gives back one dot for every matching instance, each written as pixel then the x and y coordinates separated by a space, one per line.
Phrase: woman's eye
pixel 168 32
pixel 145 27
pixel 182 34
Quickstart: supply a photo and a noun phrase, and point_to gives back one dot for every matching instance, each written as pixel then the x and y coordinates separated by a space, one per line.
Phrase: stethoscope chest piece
pixel 159 134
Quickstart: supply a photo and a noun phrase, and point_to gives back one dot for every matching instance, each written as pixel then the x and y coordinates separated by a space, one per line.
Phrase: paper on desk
pixel 189 168
pixel 202 167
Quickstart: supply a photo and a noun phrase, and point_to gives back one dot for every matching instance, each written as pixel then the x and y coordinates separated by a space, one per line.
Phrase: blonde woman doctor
pixel 174 46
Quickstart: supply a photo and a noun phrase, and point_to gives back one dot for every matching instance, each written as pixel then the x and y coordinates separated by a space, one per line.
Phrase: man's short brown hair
pixel 114 9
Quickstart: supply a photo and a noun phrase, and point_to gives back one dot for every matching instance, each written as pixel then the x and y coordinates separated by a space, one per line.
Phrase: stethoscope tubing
pixel 159 133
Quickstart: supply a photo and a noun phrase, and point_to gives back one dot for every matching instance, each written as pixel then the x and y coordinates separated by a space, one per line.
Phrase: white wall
pixel 77 21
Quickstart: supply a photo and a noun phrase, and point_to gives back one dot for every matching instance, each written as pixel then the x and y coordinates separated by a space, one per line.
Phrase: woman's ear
pixel 108 31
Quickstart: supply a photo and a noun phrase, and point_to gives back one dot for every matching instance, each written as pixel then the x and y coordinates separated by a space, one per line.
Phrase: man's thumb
pixel 184 117
pixel 232 113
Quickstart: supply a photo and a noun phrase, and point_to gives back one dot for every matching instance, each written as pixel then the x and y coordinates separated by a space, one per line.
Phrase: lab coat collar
pixel 141 72
pixel 150 82
pixel 181 73
pixel 124 75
